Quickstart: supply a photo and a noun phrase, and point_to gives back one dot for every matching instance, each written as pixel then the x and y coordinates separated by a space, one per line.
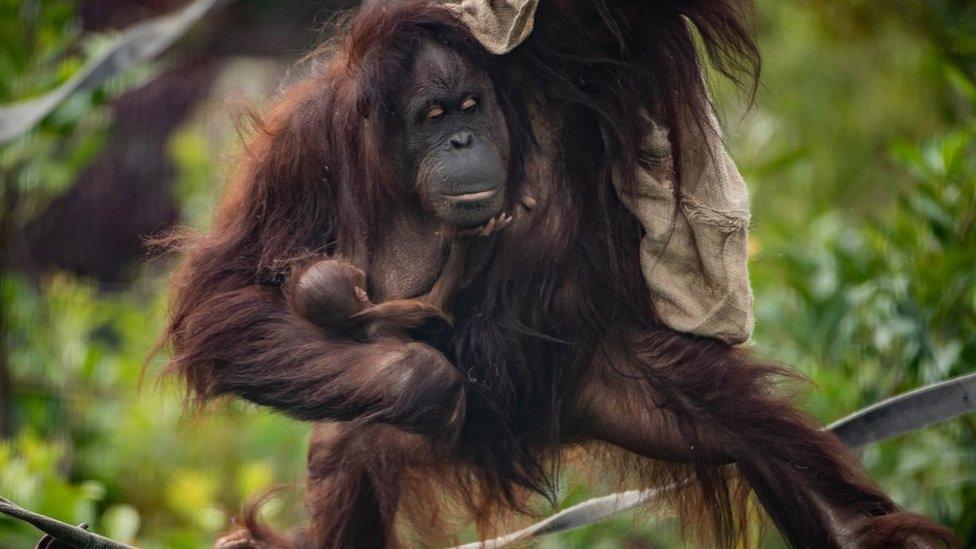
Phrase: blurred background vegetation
pixel 860 152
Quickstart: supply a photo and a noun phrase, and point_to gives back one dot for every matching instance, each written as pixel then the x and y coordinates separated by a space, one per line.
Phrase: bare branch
pixel 137 44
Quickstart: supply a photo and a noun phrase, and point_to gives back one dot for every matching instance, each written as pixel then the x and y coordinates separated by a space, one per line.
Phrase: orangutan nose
pixel 461 139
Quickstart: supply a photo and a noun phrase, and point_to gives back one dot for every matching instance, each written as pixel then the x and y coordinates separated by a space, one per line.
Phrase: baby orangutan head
pixel 329 292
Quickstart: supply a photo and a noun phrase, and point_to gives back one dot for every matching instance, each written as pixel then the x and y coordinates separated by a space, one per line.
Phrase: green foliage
pixel 41 47
pixel 878 307
pixel 102 446
pixel 36 34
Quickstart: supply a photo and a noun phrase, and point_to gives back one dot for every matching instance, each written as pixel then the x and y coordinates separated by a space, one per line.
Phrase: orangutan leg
pixel 355 481
pixel 699 401
pixel 357 474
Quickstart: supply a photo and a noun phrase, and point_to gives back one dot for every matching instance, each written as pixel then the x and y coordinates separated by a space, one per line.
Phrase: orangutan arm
pixel 247 343
pixel 693 400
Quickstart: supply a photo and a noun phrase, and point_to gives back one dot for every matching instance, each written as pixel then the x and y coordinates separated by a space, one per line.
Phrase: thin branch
pixel 588 512
pixel 908 412
pixel 75 536
pixel 131 47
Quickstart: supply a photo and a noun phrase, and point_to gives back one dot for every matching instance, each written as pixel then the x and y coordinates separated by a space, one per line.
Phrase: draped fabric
pixel 499 25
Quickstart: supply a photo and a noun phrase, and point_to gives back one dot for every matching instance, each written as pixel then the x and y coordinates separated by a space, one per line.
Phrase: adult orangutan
pixel 409 124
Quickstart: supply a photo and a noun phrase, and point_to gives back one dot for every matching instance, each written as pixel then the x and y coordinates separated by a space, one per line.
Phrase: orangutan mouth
pixel 470 197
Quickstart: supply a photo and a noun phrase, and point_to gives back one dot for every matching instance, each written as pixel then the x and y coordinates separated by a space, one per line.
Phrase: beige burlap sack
pixel 694 260
pixel 499 25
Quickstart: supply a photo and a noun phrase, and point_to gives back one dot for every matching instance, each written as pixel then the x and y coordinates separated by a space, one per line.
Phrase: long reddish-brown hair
pixel 594 67
pixel 319 178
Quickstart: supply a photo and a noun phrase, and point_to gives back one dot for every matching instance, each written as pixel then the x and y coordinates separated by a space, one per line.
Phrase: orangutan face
pixel 455 138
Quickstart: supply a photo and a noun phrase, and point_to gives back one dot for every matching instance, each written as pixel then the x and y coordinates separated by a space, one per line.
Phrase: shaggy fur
pixel 555 341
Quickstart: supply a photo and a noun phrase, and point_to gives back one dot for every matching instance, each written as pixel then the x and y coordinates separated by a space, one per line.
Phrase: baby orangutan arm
pixel 331 293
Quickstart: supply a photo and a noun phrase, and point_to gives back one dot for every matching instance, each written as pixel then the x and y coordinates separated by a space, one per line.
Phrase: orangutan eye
pixel 435 112
pixel 469 104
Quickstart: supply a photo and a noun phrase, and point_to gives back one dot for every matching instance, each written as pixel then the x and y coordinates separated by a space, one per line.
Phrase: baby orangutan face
pixel 455 139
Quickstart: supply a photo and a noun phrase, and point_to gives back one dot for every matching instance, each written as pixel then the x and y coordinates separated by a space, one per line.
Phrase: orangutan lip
pixel 471 197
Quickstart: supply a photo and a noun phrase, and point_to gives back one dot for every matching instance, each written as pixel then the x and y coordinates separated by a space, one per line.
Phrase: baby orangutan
pixel 331 293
